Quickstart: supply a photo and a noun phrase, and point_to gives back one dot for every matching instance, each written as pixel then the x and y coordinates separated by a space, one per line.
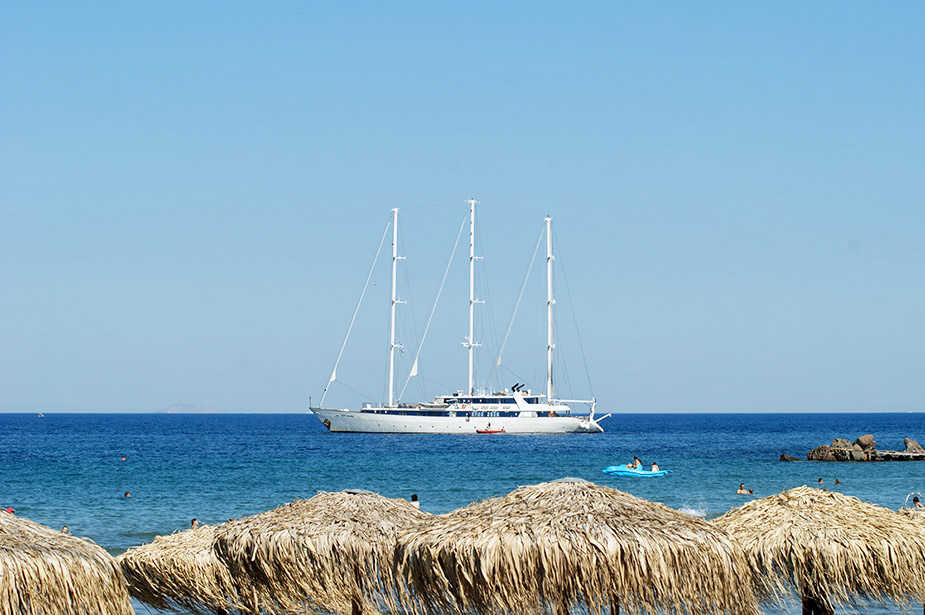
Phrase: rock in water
pixel 821 453
pixel 866 442
pixel 786 457
pixel 841 443
pixel 912 446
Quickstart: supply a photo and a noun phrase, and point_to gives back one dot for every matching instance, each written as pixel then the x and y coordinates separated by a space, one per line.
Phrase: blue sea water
pixel 74 469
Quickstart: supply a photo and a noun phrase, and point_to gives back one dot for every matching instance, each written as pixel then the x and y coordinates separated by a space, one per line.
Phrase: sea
pixel 122 479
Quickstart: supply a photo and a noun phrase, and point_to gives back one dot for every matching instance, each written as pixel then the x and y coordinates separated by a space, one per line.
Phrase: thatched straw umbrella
pixel 45 571
pixel 828 548
pixel 180 571
pixel 912 507
pixel 331 553
pixel 547 547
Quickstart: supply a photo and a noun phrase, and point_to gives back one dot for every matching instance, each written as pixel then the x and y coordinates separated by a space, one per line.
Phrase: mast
pixel 470 340
pixel 550 301
pixel 395 301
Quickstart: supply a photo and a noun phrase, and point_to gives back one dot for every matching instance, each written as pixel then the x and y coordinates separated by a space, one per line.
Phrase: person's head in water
pixel 127 494
pixel 414 497
pixel 194 523
pixel 64 530
pixel 819 481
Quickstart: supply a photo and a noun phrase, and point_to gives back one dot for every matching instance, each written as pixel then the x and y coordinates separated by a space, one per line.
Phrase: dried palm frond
pixel 915 514
pixel 331 553
pixel 45 571
pixel 546 548
pixel 829 547
pixel 180 571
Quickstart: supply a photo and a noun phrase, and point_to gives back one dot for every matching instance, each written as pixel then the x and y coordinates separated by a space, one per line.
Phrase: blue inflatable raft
pixel 622 470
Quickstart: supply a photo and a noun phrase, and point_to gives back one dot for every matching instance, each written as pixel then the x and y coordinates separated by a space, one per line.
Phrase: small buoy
pixel 123 459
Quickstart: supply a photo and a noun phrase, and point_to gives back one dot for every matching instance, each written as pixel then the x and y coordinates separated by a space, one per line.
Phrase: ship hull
pixel 356 421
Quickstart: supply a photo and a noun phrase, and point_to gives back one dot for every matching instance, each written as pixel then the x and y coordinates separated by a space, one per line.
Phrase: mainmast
pixel 550 301
pixel 470 339
pixel 395 301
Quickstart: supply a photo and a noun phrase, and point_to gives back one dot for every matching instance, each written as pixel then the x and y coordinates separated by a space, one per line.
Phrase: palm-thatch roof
pixel 180 571
pixel 916 514
pixel 547 547
pixel 331 553
pixel 829 547
pixel 45 571
pixel 912 508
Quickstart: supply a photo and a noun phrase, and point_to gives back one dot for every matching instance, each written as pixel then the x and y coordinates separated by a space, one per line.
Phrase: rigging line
pixel 561 366
pixel 431 205
pixel 385 364
pixel 403 330
pixel 568 293
pixel 360 393
pixel 517 305
pixel 487 333
pixel 443 387
pixel 524 213
pixel 518 377
pixel 409 299
pixel 411 304
pixel 355 311
pixel 434 308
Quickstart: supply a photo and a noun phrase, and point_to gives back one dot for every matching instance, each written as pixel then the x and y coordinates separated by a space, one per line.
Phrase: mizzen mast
pixel 550 301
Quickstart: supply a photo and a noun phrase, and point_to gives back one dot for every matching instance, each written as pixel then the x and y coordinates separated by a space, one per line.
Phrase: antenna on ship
pixel 470 343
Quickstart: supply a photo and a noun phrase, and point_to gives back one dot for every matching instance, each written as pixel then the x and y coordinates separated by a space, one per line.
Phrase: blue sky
pixel 191 195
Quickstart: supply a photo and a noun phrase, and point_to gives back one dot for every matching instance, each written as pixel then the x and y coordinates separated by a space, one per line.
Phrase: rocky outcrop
pixel 821 453
pixel 786 457
pixel 862 449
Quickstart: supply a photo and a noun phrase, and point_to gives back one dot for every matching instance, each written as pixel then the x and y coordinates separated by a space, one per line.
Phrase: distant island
pixel 186 407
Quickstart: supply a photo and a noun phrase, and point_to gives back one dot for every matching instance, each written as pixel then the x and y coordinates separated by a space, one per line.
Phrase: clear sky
pixel 191 194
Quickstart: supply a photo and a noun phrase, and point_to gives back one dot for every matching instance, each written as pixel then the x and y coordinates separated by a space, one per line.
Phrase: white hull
pixel 368 422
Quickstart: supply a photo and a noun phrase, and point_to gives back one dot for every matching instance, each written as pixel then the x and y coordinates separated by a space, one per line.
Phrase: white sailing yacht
pixel 512 411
